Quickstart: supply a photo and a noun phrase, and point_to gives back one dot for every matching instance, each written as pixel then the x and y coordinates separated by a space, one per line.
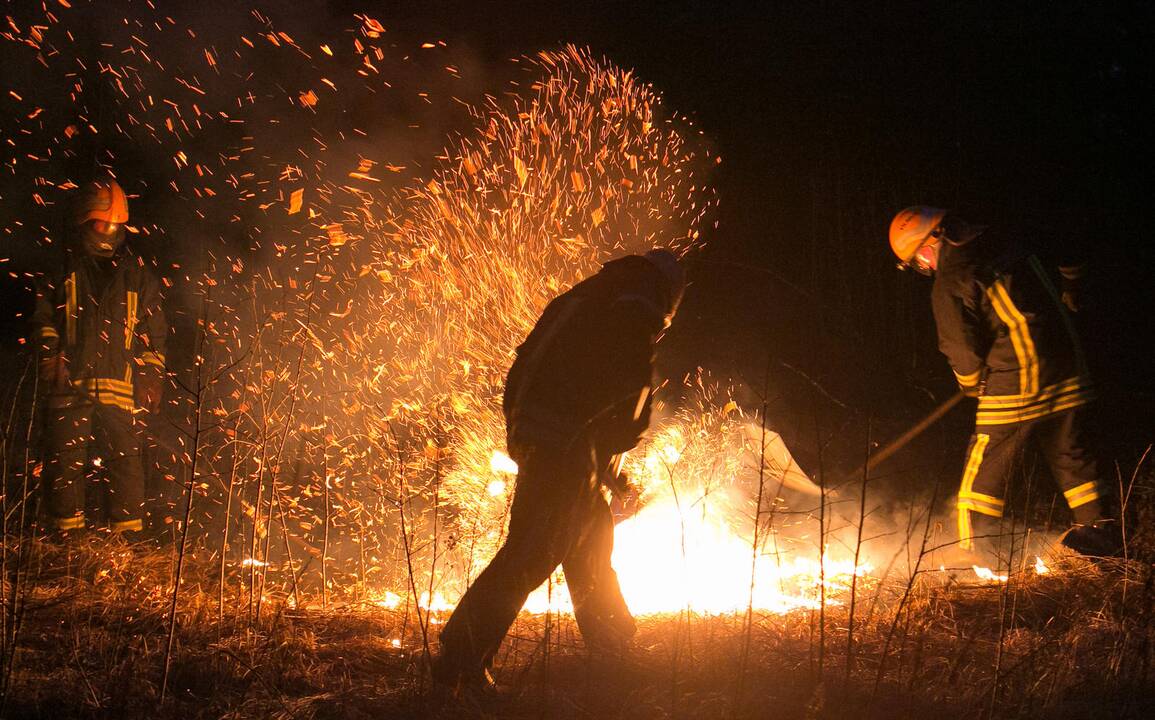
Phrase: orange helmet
pixel 912 228
pixel 102 200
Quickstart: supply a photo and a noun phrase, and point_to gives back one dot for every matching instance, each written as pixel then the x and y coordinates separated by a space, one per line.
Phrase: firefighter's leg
pixel 121 448
pixel 1061 438
pixel 69 433
pixel 1095 532
pixel 990 460
pixel 599 608
pixel 544 520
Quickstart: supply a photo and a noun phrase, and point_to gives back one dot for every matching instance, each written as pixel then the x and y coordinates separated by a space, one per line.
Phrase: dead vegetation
pixel 90 644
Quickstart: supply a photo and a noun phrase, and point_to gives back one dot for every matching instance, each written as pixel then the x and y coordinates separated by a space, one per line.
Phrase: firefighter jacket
pixel 1000 316
pixel 587 365
pixel 104 316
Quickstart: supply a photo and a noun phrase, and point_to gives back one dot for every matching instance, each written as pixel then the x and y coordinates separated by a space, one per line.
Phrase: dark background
pixel 831 116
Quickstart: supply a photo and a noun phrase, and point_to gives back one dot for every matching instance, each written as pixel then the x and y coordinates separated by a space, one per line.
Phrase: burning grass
pixel 1072 643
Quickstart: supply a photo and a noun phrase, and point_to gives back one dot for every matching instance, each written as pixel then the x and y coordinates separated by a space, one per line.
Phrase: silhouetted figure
pixel 578 395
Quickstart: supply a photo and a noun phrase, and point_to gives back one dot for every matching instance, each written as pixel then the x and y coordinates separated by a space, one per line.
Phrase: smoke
pixel 355 228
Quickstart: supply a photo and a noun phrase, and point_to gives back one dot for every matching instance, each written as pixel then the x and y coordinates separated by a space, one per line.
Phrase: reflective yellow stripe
pixel 47 331
pixel 75 522
pixel 969 380
pixel 107 391
pixel 71 310
pixel 966 489
pixel 995 402
pixel 126 525
pixel 981 498
pixel 130 318
pixel 1035 411
pixel 980 508
pixel 1020 337
pixel 1082 494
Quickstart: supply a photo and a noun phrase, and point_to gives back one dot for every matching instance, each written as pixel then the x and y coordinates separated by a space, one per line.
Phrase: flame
pixel 388 600
pixel 668 561
pixel 1041 567
pixel 985 573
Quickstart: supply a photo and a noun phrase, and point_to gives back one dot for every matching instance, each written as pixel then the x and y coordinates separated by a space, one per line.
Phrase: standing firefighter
pixel 101 335
pixel 578 395
pixel 1007 331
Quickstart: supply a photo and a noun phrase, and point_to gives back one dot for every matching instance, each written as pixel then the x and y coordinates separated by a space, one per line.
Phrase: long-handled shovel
pixel 880 456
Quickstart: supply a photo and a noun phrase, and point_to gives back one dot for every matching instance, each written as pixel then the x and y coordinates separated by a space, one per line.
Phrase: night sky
pixel 829 117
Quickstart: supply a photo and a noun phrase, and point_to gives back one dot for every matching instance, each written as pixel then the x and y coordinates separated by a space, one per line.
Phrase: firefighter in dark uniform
pixel 1005 326
pixel 101 336
pixel 577 396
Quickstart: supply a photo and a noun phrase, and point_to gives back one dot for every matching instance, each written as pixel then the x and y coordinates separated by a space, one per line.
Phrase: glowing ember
pixel 1041 567
pixel 988 575
pixel 495 488
pixel 499 462
pixel 250 562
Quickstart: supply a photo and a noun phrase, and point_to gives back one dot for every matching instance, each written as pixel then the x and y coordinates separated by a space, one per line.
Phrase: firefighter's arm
pixel 46 334
pixel 960 338
pixel 1070 279
pixel 152 336
pixel 44 331
pixel 635 324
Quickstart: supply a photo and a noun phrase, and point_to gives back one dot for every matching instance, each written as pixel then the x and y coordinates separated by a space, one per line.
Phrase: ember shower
pixel 347 315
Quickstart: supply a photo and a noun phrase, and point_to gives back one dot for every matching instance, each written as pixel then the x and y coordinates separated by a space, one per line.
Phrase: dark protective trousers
pixel 77 429
pixel 558 516
pixel 991 459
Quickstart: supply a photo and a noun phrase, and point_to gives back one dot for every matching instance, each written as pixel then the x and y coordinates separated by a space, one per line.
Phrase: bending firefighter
pixel 1006 328
pixel 577 396
pixel 101 336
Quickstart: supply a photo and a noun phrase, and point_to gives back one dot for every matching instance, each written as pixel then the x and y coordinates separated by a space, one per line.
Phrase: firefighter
pixel 101 336
pixel 1005 326
pixel 577 397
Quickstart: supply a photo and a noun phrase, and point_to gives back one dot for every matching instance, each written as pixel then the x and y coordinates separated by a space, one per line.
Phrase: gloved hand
pixel 1070 299
pixel 626 500
pixel 972 391
pixel 147 392
pixel 54 371
pixel 1069 285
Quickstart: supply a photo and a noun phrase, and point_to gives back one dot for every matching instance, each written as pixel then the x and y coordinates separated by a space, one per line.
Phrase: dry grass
pixel 1074 643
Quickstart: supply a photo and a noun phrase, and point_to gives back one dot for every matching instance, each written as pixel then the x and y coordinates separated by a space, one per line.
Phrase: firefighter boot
pixel 473 685
pixel 1101 538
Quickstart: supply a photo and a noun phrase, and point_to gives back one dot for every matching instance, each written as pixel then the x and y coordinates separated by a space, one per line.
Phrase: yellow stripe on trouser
pixel 970 501
pixel 72 522
pixel 1020 337
pixel 1082 494
pixel 126 525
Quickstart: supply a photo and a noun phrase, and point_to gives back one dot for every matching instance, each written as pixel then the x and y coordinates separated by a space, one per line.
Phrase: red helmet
pixel 912 228
pixel 101 200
